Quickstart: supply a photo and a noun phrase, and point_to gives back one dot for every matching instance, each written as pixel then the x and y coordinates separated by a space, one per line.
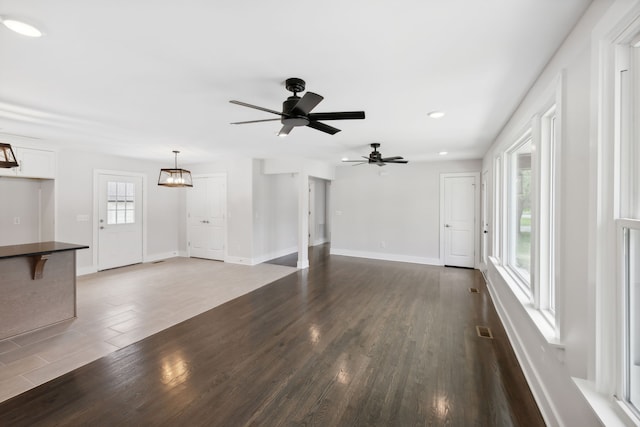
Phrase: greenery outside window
pixel 520 211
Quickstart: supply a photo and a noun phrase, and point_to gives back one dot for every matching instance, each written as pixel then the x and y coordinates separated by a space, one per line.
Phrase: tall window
pixel 547 209
pixel 631 242
pixel 628 218
pixel 497 207
pixel 520 212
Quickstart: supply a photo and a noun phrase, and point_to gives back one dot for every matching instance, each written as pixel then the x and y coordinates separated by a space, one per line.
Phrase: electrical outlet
pixel 16 220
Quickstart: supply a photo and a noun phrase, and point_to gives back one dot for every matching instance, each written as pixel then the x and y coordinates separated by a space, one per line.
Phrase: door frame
pixel 476 204
pixel 96 209
pixel 312 211
pixel 484 220
pixel 226 212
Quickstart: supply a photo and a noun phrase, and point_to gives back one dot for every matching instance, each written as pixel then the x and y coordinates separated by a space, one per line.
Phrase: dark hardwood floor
pixel 348 342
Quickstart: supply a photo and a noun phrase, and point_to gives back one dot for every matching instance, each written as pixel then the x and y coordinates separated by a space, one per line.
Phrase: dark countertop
pixel 41 248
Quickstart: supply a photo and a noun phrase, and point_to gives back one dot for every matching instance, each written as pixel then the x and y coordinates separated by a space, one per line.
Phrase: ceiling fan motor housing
pixel 292 119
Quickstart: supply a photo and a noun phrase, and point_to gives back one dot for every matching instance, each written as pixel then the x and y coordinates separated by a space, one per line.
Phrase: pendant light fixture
pixel 7 157
pixel 175 177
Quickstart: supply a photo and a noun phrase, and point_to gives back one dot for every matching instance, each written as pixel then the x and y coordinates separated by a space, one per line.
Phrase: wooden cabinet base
pixel 29 304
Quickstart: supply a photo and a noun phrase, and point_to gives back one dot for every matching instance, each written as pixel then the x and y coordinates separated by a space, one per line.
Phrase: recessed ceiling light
pixel 21 27
pixel 344 159
pixel 443 153
pixel 436 114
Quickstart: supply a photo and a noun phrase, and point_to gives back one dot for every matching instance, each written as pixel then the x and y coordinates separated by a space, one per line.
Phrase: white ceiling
pixel 142 78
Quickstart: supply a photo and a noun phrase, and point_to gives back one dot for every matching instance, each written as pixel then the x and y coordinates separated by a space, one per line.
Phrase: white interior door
pixel 459 213
pixel 119 220
pixel 206 217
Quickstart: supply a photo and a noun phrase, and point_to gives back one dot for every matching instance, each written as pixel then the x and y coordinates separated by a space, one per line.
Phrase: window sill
pixel 611 412
pixel 537 317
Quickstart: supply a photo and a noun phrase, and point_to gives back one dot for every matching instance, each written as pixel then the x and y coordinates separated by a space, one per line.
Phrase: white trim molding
pixel 386 256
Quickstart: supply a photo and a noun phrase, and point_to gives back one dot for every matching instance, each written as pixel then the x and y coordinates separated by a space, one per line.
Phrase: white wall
pixel 275 207
pixel 548 365
pixel 390 212
pixel 309 167
pixel 74 197
pixel 21 202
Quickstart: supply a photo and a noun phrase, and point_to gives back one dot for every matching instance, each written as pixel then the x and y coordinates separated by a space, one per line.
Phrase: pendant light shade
pixel 175 177
pixel 7 157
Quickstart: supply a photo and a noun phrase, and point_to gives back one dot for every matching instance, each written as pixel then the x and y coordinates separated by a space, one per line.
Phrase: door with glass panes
pixel 119 220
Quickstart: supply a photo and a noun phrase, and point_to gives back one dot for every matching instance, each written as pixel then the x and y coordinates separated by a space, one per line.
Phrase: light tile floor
pixel 118 307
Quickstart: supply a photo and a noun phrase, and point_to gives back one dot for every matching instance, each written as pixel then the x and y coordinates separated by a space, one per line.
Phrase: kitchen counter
pixel 41 248
pixel 37 286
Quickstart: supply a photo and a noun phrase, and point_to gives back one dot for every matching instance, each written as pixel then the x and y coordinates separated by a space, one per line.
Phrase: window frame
pixel 624 226
pixel 546 187
pixel 524 283
pixel 547 205
pixel 496 247
pixel 626 198
pixel 121 202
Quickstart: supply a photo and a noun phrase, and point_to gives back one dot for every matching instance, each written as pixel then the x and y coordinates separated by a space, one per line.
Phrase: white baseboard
pixel 548 410
pixel 83 271
pixel 160 257
pixel 386 256
pixel 542 360
pixel 274 254
pixel 237 260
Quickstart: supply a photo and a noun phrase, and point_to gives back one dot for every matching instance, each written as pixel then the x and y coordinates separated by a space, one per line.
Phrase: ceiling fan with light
pixel 375 157
pixel 296 111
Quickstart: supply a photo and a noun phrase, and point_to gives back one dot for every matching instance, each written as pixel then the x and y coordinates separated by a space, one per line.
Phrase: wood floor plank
pixel 348 342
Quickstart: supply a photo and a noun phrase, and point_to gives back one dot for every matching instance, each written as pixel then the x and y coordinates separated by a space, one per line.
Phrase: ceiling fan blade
pixel 358 164
pixel 254 121
pixel 255 107
pixel 307 103
pixel 359 161
pixel 344 115
pixel 386 159
pixel 396 161
pixel 323 128
pixel 285 130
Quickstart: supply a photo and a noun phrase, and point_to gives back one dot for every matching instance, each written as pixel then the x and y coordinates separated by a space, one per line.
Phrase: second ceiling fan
pixel 375 157
pixel 296 111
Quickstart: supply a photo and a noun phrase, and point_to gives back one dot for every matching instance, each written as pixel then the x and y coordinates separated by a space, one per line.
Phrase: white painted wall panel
pixel 391 211
pixel 19 203
pixel 275 219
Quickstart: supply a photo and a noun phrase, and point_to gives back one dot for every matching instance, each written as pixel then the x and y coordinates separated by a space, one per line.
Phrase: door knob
pixel 101 227
pixel 447 225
